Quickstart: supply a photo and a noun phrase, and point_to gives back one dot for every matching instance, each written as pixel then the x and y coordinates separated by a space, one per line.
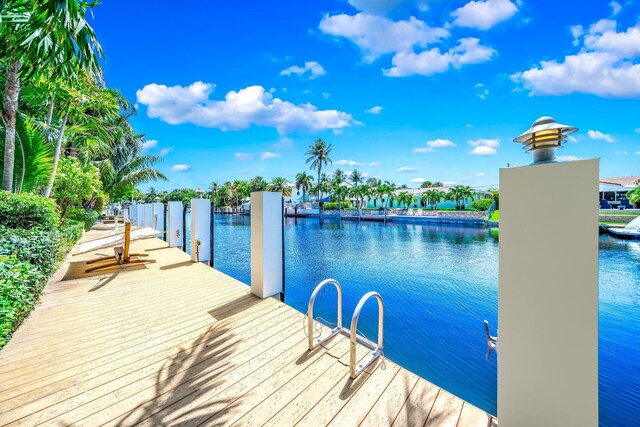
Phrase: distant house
pixel 615 189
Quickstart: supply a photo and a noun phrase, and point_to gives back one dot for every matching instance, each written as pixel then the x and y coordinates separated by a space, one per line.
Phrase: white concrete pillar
pixel 148 214
pixel 133 213
pixel 125 214
pixel 201 230
pixel 158 216
pixel 267 272
pixel 548 295
pixel 140 215
pixel 175 229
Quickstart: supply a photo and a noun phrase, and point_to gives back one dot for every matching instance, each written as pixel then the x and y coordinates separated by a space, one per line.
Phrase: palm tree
pixel 304 181
pixel 318 154
pixel 426 184
pixel 406 199
pixel 281 185
pixel 127 171
pixel 258 184
pixel 374 182
pixel 356 177
pixel 340 175
pixel 44 35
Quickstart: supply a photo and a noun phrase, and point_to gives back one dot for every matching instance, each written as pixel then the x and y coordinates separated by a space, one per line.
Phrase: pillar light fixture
pixel 543 138
pixel 156 199
pixel 200 193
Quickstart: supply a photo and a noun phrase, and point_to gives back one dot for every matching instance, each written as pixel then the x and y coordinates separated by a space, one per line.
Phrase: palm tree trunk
pixel 50 112
pixel 9 114
pixel 56 156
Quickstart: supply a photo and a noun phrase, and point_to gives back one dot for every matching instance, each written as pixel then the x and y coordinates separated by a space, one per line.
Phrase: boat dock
pixel 179 343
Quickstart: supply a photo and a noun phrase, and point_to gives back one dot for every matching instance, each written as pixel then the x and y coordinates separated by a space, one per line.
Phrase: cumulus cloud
pixel 568 158
pixel 484 147
pixel 434 145
pixel 266 155
pixel 374 110
pixel 244 156
pixel 596 134
pixel 417 180
pixel 615 7
pixel 482 91
pixel 181 167
pixel 480 174
pixel 622 153
pixel 149 144
pixel 164 151
pixel 406 169
pixel 374 164
pixel 238 110
pixel 433 61
pixel 483 15
pixel 377 35
pixel 347 163
pixel 311 69
pixel 606 65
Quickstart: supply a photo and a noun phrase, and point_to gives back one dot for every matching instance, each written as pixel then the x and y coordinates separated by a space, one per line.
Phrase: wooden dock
pixel 178 343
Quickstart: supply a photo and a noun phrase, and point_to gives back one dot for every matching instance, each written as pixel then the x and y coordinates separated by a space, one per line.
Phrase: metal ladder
pixel 354 337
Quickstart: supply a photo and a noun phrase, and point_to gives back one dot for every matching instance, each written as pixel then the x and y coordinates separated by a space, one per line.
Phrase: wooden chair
pixel 122 255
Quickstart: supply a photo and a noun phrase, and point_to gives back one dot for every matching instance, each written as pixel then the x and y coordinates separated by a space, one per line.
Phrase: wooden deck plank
pixel 178 343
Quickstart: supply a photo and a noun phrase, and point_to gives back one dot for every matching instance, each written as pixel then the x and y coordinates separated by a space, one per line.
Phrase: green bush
pixel 39 247
pixel 482 204
pixel 20 286
pixel 70 233
pixel 27 211
pixel 331 206
pixel 87 217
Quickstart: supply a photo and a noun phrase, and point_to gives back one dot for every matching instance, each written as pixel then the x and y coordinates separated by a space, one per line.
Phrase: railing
pixel 354 338
pixel 491 210
pixel 492 342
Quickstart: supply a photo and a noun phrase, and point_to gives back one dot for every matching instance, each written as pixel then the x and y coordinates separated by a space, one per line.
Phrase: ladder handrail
pixel 353 334
pixel 312 301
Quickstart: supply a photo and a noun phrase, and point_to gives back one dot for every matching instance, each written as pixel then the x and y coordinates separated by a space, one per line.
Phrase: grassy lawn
pixel 495 216
pixel 617 214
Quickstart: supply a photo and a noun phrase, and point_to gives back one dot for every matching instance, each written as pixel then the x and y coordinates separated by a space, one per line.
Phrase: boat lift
pixel 354 337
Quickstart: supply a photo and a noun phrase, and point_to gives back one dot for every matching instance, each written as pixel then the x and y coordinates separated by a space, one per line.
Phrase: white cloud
pixel 576 31
pixel 326 95
pixel 484 14
pixel 164 151
pixel 606 65
pixel 374 110
pixel 418 180
pixel 406 169
pixel 596 134
pixel 149 144
pixel 284 143
pixel 637 130
pixel 433 61
pixel 181 167
pixel 434 145
pixel 482 92
pixel 266 155
pixel 572 138
pixel 621 153
pixel 244 156
pixel 374 164
pixel 347 163
pixel 376 35
pixel 568 158
pixel 484 147
pixel 480 174
pixel 615 7
pixel 448 183
pixel 312 69
pixel 238 110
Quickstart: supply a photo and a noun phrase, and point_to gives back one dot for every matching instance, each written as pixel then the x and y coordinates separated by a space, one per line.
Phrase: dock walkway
pixel 179 343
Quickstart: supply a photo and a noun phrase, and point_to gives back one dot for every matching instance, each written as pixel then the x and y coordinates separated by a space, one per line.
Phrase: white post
pixel 140 216
pixel 548 295
pixel 267 272
pixel 148 215
pixel 200 230
pixel 158 216
pixel 133 213
pixel 174 224
pixel 125 214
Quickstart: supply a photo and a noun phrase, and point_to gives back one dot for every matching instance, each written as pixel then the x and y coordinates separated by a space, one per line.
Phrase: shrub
pixel 20 286
pixel 482 204
pixel 87 217
pixel 331 206
pixel 70 232
pixel 27 211
pixel 39 247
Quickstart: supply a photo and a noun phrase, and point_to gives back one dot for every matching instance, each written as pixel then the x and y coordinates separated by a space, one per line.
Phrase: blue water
pixel 439 283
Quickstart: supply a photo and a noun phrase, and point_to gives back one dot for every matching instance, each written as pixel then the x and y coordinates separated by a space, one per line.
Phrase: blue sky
pixel 403 89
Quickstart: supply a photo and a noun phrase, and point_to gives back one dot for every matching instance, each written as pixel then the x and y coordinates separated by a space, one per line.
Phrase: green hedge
pixel 87 217
pixel 20 287
pixel 39 247
pixel 482 204
pixel 27 211
pixel 331 206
